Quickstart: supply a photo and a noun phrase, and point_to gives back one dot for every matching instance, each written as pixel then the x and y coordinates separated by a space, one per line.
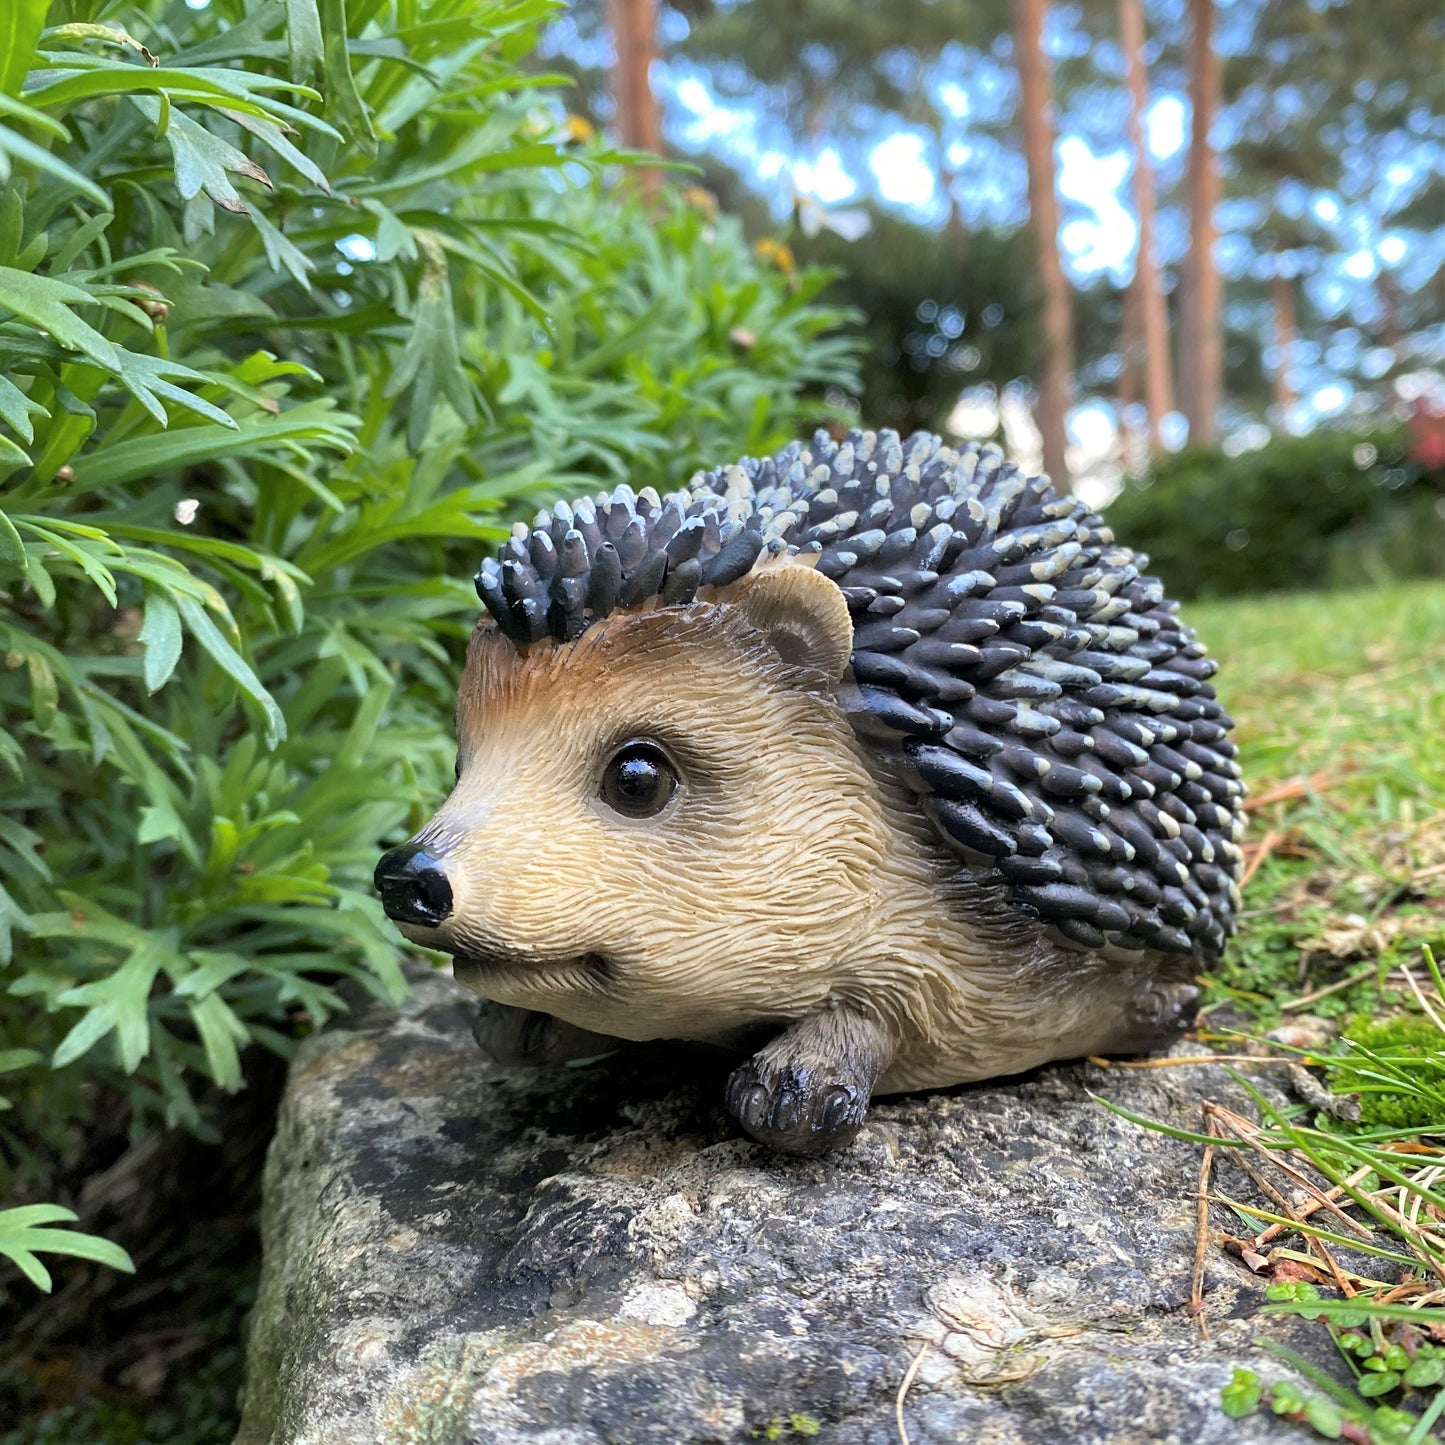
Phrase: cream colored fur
pixel 788 873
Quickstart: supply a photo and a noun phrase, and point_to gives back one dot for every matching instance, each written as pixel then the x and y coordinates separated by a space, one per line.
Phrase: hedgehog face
pixel 665 827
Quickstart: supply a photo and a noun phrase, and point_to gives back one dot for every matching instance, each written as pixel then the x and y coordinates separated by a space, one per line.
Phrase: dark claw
pixel 835 1108
pixel 1155 1018
pixel 788 1110
pixel 1163 1013
pixel 752 1110
pixel 792 1109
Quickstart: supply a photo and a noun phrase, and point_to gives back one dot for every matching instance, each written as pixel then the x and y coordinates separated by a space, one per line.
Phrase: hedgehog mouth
pixel 488 963
pixel 486 959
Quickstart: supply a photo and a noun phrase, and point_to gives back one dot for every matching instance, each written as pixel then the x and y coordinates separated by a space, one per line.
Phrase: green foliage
pixel 25 1234
pixel 1386 1366
pixel 1330 129
pixel 1389 1348
pixel 1347 691
pixel 1241 1394
pixel 795 1426
pixel 1329 509
pixel 292 322
pixel 1331 1409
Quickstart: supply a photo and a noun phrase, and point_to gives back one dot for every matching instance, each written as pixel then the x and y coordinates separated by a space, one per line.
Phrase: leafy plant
pixel 27 1232
pixel 299 305
pixel 1332 1413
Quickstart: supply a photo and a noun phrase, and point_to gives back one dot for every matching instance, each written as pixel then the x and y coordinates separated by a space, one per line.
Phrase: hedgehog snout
pixel 414 886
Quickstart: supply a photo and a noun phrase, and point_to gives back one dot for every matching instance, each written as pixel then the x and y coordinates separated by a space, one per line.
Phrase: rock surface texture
pixel 458 1252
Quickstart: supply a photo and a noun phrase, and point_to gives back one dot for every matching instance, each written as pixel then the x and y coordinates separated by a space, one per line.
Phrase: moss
pixel 1410 1051
pixel 797 1424
pixel 1410 1032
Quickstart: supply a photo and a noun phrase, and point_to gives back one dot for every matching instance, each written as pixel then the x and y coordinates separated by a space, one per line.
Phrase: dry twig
pixel 1408 1231
pixel 1285 1207
pixel 1306 999
pixel 1201 1233
pixel 903 1388
pixel 1259 853
pixel 1248 1133
pixel 1104 1063
pixel 1318 782
pixel 1309 1208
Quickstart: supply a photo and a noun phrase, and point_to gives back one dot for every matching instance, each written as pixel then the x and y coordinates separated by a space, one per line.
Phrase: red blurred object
pixel 1427 432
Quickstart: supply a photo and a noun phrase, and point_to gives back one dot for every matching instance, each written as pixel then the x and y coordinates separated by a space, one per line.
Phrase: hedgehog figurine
pixel 881 751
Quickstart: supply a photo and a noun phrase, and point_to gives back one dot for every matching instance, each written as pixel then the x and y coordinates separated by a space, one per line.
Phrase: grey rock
pixel 456 1252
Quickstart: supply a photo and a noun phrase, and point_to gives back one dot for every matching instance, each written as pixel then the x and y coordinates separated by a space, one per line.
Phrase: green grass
pixel 1340 705
pixel 1346 690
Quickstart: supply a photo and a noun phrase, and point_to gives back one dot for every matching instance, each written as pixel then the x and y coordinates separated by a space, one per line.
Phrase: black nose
pixel 414 887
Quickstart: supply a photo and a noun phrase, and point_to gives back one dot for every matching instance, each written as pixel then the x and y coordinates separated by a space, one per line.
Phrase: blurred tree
pixel 1037 124
pixel 835 69
pixel 1281 294
pixel 1130 390
pixel 1151 309
pixel 943 310
pixel 1336 154
pixel 834 66
pixel 1201 329
pixel 637 115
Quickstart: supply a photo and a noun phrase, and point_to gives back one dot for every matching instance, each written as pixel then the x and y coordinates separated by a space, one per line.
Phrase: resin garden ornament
pixel 878 754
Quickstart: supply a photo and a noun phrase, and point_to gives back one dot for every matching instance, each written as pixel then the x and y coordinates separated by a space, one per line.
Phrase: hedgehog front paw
pixel 511 1036
pixel 794 1108
pixel 519 1036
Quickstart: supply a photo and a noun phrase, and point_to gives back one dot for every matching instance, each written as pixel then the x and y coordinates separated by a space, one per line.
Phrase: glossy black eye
pixel 638 780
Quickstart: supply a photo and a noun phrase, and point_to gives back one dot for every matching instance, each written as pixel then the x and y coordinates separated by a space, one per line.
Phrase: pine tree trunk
pixel 1133 445
pixel 1154 315
pixel 1201 346
pixel 634 41
pixel 1038 136
pixel 1131 347
pixel 1282 296
pixel 1390 313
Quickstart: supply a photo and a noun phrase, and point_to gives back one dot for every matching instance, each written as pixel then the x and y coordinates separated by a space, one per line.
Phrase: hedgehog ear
pixel 802 614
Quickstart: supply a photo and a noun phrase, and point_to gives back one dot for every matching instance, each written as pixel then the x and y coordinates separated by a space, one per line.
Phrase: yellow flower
pixel 701 199
pixel 779 254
